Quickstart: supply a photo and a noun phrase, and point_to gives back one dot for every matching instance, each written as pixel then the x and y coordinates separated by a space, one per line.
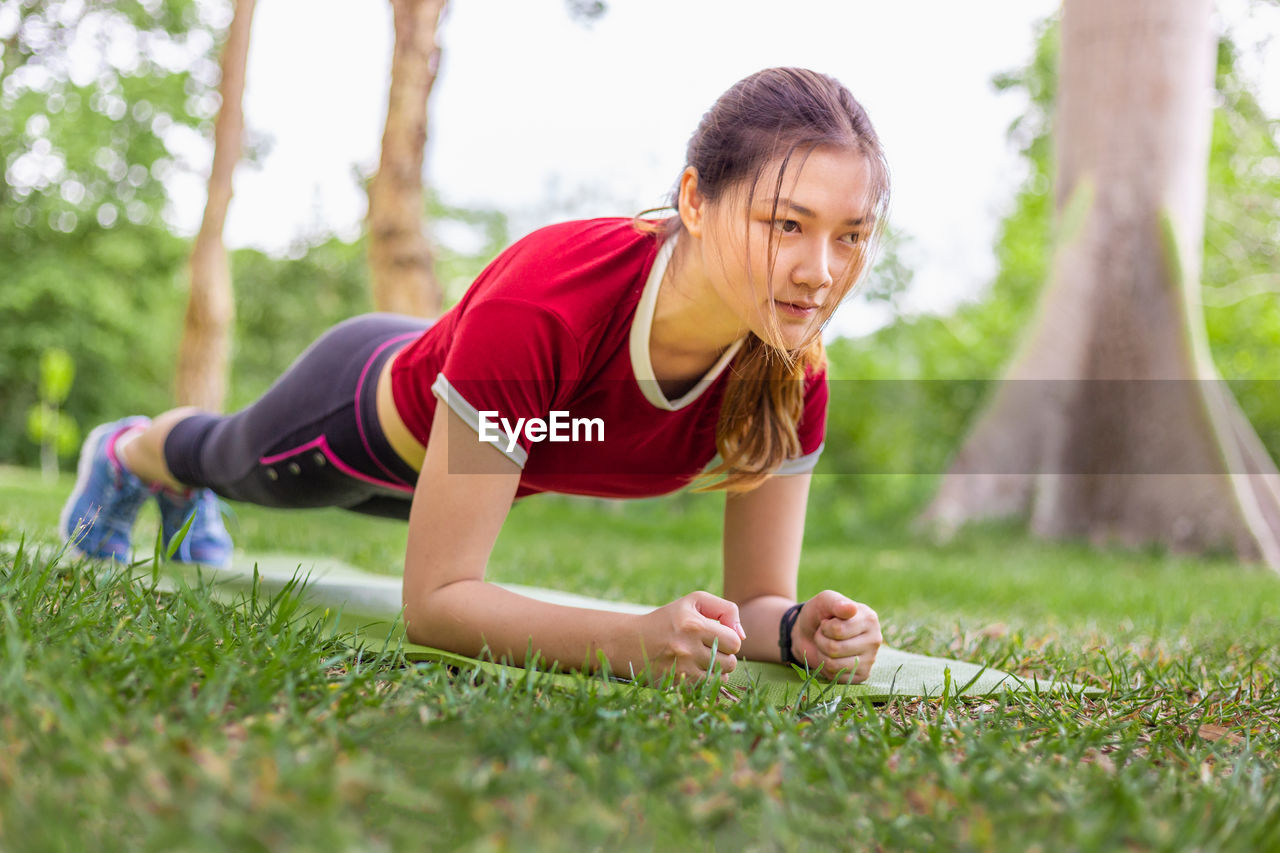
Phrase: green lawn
pixel 131 719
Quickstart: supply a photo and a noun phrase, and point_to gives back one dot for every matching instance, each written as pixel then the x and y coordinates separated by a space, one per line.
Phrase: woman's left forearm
pixel 761 617
pixel 763 531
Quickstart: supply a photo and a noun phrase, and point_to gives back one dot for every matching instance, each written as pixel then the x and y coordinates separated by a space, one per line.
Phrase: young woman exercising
pixel 610 357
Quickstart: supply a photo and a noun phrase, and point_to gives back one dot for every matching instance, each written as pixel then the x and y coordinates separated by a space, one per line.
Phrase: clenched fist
pixel 834 633
pixel 686 635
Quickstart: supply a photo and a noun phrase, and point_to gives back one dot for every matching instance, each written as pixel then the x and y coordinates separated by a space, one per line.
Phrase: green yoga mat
pixel 370 605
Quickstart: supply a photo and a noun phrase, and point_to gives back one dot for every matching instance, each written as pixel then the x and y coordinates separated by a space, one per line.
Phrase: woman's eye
pixel 853 239
pixel 787 226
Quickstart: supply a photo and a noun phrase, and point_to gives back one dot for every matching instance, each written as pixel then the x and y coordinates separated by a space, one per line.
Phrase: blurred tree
pixel 91 93
pixel 46 424
pixel 283 304
pixel 1116 430
pixel 878 394
pixel 111 290
pixel 586 11
pixel 890 278
pixel 400 256
pixel 96 98
pixel 204 353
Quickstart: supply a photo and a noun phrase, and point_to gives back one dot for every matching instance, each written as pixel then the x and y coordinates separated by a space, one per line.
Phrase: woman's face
pixel 821 218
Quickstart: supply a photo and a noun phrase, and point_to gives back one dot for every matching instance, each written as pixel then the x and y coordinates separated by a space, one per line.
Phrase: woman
pixel 611 357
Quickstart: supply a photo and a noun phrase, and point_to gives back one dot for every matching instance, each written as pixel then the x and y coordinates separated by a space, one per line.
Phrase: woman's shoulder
pixel 592 243
pixel 581 270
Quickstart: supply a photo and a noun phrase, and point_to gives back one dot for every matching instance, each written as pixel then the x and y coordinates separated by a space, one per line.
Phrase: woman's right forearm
pixel 476 618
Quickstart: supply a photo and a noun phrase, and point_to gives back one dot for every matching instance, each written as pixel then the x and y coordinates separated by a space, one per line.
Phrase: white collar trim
pixel 642 325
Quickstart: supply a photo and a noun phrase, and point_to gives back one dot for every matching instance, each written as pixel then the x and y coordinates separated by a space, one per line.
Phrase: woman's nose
pixel 813 265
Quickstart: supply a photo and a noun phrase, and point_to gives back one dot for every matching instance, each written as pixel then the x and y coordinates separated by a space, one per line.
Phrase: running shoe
pixel 98 516
pixel 207 542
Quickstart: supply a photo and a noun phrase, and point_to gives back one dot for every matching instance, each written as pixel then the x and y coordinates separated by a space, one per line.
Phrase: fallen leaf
pixel 1212 732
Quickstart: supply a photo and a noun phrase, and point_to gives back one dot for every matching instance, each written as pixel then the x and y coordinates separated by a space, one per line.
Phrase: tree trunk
pixel 400 256
pixel 1112 424
pixel 206 337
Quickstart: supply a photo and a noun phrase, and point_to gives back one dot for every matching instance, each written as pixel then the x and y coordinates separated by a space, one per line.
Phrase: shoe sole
pixel 84 469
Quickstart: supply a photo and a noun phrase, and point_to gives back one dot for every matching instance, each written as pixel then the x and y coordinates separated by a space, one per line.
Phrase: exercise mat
pixel 370 605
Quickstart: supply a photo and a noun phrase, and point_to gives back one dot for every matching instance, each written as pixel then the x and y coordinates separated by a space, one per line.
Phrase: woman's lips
pixel 795 310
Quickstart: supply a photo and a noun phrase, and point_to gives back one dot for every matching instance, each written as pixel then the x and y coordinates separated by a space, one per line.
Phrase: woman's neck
pixel 692 326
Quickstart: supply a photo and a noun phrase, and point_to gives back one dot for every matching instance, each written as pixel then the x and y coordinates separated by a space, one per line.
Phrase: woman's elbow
pixel 428 613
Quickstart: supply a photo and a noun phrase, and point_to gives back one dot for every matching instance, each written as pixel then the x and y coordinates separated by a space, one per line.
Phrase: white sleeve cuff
pixel 800 464
pixel 455 401
pixel 794 465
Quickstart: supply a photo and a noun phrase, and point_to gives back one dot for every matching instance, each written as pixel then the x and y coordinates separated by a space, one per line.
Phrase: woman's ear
pixel 690 203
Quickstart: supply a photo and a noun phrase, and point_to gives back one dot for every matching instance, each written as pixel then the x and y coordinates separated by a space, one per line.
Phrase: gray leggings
pixel 313 438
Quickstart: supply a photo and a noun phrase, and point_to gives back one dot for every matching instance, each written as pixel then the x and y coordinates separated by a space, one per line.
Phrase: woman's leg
pixel 117 473
pixel 311 440
pixel 98 516
pixel 182 508
pixel 142 450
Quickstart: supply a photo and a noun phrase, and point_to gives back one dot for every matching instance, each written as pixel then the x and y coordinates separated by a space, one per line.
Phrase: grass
pixel 141 720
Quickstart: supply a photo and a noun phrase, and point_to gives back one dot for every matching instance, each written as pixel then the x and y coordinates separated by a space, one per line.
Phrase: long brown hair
pixel 775 114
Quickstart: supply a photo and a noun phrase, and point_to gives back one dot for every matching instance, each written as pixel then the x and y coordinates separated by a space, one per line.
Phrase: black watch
pixel 784 633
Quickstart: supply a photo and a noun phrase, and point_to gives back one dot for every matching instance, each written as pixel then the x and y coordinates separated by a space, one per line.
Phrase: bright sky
pixel 548 119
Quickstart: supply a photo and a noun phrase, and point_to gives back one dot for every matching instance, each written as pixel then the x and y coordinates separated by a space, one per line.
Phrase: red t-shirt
pixel 560 322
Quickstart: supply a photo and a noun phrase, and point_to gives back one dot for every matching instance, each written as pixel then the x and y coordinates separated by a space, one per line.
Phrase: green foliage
pixel 87 135
pixel 53 431
pixel 56 433
pixel 1241 274
pixel 88 109
pixel 457 266
pixel 57 371
pixel 890 277
pixel 282 305
pixel 91 96
pixel 112 298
